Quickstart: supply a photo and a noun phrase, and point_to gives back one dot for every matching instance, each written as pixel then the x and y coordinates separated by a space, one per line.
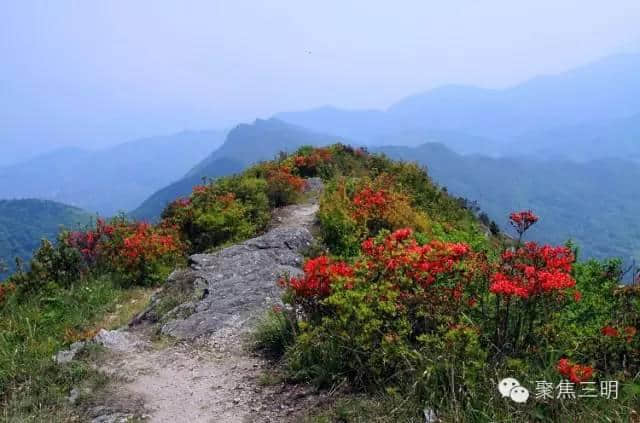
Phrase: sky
pixel 96 73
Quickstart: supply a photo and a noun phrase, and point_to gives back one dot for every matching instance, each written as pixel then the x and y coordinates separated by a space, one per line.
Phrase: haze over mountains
pixel 111 180
pixel 601 92
pixel 566 145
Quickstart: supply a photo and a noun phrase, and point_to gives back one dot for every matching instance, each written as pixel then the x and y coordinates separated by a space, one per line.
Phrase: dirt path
pixel 216 380
pixel 210 375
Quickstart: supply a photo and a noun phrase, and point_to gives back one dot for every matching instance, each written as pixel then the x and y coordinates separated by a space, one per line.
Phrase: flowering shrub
pixel 374 302
pixel 576 373
pixel 534 270
pixel 308 164
pixel 380 204
pixel 522 221
pixel 283 187
pixel 136 252
pixel 229 210
pixel 88 242
pixel 353 210
pixel 138 249
pixel 537 279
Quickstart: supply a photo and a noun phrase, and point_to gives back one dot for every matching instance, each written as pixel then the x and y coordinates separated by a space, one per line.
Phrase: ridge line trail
pixel 210 375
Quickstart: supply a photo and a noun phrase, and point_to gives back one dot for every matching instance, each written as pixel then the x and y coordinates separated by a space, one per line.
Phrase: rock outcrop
pixel 231 287
pixel 236 282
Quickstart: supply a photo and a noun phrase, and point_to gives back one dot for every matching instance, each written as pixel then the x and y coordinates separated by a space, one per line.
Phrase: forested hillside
pixel 23 223
pixel 593 203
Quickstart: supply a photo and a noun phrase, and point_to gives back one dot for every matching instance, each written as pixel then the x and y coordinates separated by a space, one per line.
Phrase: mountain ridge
pixel 111 180
pixel 572 97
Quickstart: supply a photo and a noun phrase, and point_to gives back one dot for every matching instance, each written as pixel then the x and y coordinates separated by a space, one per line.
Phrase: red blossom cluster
pixel 628 332
pixel 576 373
pixel 226 199
pixel 125 246
pixel 418 276
pixel 88 242
pixel 145 244
pixel 199 189
pixel 533 270
pixel 369 202
pixel 308 164
pixel 282 176
pixel 522 220
pixel 421 263
pixel 319 274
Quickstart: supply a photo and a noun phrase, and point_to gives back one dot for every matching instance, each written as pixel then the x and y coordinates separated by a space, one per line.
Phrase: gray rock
pixel 240 279
pixel 66 356
pixel 118 340
pixel 73 395
pixel 313 185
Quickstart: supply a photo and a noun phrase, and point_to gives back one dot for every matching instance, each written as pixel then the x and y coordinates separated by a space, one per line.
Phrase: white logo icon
pixel 519 394
pixel 510 387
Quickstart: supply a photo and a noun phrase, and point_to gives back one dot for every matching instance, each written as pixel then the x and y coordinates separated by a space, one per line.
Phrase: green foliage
pixel 24 223
pixel 57 263
pixel 563 193
pixel 339 230
pixel 34 327
pixel 228 210
pixel 369 314
pixel 275 332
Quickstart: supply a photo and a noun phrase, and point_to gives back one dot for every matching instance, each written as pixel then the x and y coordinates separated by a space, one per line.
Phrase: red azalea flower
pixel 610 331
pixel 522 220
pixel 630 332
pixel 576 373
pixel 534 270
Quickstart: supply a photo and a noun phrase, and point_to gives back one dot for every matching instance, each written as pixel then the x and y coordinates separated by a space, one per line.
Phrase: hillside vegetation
pixel 592 203
pixel 406 299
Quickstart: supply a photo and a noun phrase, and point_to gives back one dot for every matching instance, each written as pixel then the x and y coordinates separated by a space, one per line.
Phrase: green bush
pixel 275 332
pixel 228 210
pixel 57 263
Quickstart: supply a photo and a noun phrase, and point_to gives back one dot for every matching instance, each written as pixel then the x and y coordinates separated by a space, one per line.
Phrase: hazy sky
pixel 92 73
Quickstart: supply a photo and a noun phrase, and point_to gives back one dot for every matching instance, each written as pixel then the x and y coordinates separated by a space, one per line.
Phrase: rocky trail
pixel 206 373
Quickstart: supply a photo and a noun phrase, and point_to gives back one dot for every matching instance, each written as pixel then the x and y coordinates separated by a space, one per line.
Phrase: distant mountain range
pixel 111 180
pixel 599 94
pixel 566 145
pixel 23 223
pixel 588 141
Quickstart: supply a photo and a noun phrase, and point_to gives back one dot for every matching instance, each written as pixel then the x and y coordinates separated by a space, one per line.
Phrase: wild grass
pixel 34 328
pixel 274 333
